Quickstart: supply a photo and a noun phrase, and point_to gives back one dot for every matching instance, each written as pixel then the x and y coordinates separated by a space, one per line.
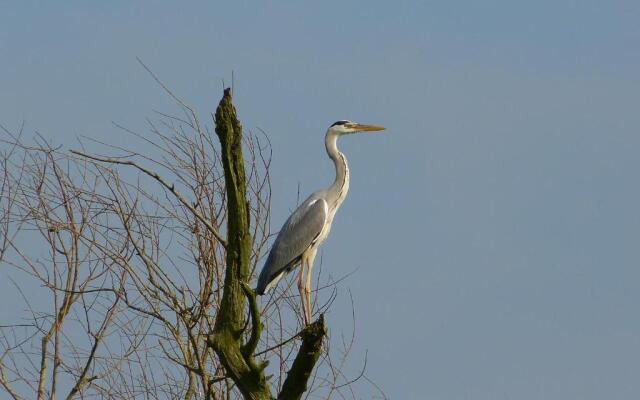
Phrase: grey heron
pixel 309 225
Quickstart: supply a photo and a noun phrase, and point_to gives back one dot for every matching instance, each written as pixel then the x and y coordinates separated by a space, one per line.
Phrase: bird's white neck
pixel 340 186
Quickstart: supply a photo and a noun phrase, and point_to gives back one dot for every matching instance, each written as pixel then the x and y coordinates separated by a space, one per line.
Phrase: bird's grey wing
pixel 297 234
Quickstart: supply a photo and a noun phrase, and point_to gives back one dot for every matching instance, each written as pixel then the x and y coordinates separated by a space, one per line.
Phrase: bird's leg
pixel 309 261
pixel 301 289
pixel 308 289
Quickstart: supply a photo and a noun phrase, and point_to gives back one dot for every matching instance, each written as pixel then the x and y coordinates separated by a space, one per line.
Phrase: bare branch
pixel 164 183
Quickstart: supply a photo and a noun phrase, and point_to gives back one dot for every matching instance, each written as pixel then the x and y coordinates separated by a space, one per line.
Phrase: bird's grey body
pixel 309 225
pixel 302 230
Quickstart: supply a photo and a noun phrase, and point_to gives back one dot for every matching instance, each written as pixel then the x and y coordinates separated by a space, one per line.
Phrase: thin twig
pixel 164 183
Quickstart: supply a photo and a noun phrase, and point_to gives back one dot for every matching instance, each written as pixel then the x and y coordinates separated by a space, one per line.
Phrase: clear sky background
pixel 495 226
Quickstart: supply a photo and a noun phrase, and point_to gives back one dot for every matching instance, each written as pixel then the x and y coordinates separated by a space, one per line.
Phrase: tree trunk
pixel 237 357
pixel 227 335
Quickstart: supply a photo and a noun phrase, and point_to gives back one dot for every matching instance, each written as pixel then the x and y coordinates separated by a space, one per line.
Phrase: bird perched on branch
pixel 309 225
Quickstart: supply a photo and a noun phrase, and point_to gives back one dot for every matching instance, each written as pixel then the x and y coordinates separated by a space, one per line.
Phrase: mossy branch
pixel 296 383
pixel 238 359
pixel 256 326
pixel 227 335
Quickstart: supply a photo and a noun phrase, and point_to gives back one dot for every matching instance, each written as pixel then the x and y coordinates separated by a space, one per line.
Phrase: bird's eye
pixel 340 123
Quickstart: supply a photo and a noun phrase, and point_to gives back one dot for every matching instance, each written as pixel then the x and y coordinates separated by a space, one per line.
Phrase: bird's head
pixel 345 127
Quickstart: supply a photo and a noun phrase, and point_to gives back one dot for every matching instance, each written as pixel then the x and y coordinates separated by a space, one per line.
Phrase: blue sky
pixel 494 227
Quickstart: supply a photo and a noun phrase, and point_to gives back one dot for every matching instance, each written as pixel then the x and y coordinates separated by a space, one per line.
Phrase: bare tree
pixel 134 271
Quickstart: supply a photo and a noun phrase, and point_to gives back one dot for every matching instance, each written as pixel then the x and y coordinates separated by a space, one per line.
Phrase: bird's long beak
pixel 368 128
